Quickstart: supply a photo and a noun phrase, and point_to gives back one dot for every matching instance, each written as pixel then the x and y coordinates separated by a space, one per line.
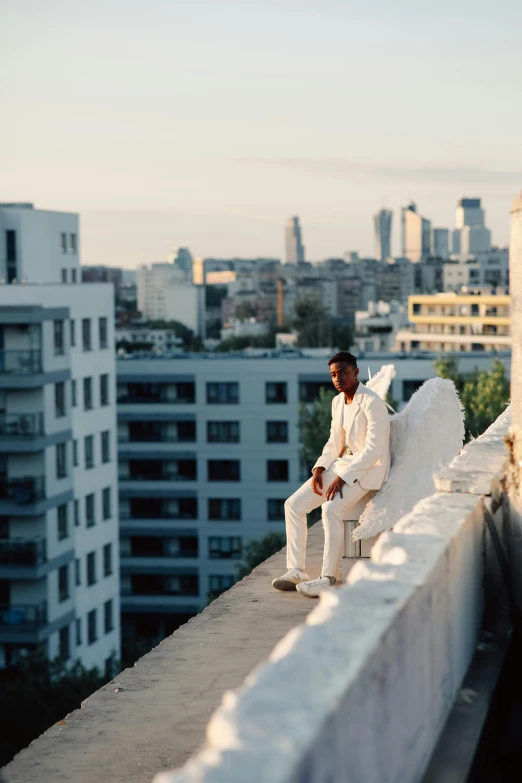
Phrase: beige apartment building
pixel 457 322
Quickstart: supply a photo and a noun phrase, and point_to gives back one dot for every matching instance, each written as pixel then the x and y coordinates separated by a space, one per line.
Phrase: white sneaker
pixel 289 580
pixel 314 587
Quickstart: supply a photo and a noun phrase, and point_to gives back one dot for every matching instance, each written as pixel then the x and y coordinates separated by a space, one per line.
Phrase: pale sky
pixel 207 124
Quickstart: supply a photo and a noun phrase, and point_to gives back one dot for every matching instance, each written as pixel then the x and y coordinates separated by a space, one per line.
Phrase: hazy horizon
pixel 208 124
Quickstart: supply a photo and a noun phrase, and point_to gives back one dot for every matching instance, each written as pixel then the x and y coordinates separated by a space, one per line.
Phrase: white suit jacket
pixel 368 438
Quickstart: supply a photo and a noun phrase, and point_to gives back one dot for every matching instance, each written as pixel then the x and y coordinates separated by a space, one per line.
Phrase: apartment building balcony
pixel 22 552
pixel 163 393
pixel 20 369
pixel 21 491
pixel 24 432
pixel 157 472
pixel 142 432
pixel 153 515
pixel 22 622
pixel 22 362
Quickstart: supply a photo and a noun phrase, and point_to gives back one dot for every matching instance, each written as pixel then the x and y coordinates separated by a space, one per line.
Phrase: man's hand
pixel 317 481
pixel 336 486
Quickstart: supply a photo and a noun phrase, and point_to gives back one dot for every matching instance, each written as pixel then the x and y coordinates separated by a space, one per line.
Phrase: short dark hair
pixel 343 356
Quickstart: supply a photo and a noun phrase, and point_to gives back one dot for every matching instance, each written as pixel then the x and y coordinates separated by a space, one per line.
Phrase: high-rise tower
pixel 295 252
pixel 382 222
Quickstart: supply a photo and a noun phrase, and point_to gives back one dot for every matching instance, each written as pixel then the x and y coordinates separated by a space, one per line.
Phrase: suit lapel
pixel 343 427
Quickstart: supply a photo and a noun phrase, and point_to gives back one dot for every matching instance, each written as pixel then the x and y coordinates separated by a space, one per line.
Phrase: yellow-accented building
pixel 457 322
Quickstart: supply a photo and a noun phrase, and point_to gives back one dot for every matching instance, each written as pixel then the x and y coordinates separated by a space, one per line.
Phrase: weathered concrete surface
pixel 159 718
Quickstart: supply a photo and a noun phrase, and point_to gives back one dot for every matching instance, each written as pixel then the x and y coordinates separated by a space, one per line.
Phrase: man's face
pixel 344 376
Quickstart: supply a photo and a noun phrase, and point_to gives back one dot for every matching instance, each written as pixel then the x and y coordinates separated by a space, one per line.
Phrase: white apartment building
pixel 491 270
pixel 38 246
pixel 59 546
pixel 166 293
pixel 208 453
pixel 159 340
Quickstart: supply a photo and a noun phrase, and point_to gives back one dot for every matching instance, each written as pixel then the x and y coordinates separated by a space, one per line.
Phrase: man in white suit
pixel 355 460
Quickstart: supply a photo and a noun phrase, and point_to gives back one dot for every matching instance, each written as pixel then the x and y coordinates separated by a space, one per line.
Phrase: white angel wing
pixel 425 436
pixel 380 383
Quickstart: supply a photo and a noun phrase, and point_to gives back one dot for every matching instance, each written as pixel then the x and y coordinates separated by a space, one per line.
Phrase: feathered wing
pixel 380 383
pixel 424 437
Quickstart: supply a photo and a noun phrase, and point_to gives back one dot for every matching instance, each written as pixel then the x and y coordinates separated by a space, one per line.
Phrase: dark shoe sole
pixel 284 584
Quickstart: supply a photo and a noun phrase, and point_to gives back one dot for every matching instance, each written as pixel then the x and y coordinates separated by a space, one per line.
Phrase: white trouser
pixel 334 512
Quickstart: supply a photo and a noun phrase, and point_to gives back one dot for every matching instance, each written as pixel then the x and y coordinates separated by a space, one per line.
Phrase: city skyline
pixel 213 151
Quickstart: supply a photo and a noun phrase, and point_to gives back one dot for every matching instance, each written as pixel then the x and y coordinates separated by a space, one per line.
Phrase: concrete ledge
pixel 480 462
pixel 362 690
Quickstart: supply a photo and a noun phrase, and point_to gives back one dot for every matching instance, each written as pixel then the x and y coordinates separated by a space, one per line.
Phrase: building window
pixel 78 631
pixel 61 460
pixel 63 583
pixel 277 432
pixel 224 547
pixel 275 393
pixel 90 517
pixel 59 342
pixel 75 453
pixel 276 510
pixel 218 583
pixel 224 508
pixel 64 275
pixel 91 569
pixel 74 399
pixel 104 389
pixel 63 243
pixel 77 572
pixel 63 525
pixel 86 334
pixel 224 470
pixel 89 451
pixel 105 447
pixel 102 332
pixel 223 393
pixel 64 650
pixel 107 560
pixel 73 243
pixel 91 627
pixel 106 502
pixel 107 615
pixel 72 332
pixel 277 470
pixel 87 394
pixel 76 507
pixel 223 431
pixel 59 399
pixel 73 275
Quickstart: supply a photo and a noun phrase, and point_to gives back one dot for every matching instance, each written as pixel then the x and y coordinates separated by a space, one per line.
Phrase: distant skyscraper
pixel 382 222
pixel 416 234
pixel 440 243
pixel 182 258
pixel 295 252
pixel 471 237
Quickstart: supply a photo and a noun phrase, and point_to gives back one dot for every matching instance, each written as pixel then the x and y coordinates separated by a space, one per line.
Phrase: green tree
pixel 314 425
pixel 35 694
pixel 256 552
pixel 316 328
pixel 483 394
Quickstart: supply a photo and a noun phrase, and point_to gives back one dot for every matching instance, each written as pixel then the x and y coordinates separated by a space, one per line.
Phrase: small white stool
pixel 354 550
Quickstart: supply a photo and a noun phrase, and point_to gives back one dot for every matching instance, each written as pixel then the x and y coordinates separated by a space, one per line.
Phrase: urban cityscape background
pixel 208 221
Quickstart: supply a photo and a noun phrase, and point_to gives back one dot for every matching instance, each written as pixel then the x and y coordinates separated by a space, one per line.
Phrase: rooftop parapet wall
pixel 362 690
